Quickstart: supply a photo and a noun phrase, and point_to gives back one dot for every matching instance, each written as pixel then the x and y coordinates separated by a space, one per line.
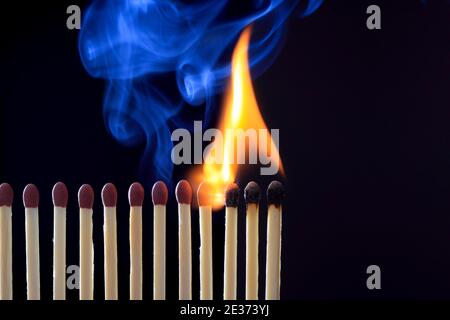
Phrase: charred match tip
pixel 232 195
pixel 275 193
pixel 136 195
pixel 86 197
pixel 203 195
pixel 252 193
pixel 6 195
pixel 109 195
pixel 31 196
pixel 160 194
pixel 183 192
pixel 60 195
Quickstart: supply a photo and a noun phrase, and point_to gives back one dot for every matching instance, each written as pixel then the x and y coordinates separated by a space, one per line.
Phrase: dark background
pixel 364 118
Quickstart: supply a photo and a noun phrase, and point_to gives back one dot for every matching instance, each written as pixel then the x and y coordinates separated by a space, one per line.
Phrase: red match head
pixel 31 196
pixel 6 195
pixel 183 192
pixel 60 195
pixel 109 195
pixel 86 197
pixel 204 197
pixel 160 194
pixel 136 195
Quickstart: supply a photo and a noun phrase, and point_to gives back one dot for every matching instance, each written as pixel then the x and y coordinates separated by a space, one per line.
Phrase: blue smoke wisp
pixel 136 45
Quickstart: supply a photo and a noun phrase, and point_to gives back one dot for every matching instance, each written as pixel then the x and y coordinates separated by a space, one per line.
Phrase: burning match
pixel 230 263
pixel 86 202
pixel 160 195
pixel 136 199
pixel 275 196
pixel 183 194
pixel 109 198
pixel 6 200
pixel 31 204
pixel 59 197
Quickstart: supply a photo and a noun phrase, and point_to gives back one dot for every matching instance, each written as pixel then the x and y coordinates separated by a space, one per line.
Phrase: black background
pixel 364 118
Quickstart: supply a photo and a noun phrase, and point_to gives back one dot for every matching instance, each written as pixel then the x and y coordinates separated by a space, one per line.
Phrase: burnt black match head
pixel 252 192
pixel 275 193
pixel 6 195
pixel 232 195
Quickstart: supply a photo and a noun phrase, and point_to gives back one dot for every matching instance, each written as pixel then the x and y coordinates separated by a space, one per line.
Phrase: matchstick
pixel 252 197
pixel 109 199
pixel 31 203
pixel 231 212
pixel 86 202
pixel 275 195
pixel 136 199
pixel 159 196
pixel 183 194
pixel 206 269
pixel 59 197
pixel 6 200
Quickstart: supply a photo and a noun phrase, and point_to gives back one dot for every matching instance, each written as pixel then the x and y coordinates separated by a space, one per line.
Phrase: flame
pixel 240 112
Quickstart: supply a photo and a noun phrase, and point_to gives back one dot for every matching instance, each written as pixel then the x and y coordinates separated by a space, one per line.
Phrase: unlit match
pixel 183 194
pixel 31 204
pixel 275 196
pixel 160 195
pixel 205 201
pixel 6 200
pixel 59 197
pixel 230 259
pixel 136 196
pixel 86 202
pixel 136 199
pixel 252 196
pixel 109 199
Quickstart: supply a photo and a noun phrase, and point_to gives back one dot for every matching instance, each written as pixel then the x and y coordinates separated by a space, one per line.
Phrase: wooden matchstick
pixel 86 202
pixel 252 196
pixel 31 203
pixel 6 200
pixel 206 268
pixel 275 195
pixel 231 215
pixel 109 199
pixel 159 196
pixel 183 194
pixel 59 197
pixel 136 199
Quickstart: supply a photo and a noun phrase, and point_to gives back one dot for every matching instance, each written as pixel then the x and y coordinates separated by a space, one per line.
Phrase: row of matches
pixel 136 195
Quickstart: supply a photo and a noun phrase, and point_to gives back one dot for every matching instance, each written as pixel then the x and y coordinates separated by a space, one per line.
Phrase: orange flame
pixel 240 113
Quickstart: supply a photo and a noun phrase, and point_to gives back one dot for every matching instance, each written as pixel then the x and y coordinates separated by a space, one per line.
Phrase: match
pixel 183 194
pixel 136 199
pixel 206 268
pixel 252 196
pixel 275 196
pixel 59 197
pixel 6 200
pixel 160 195
pixel 86 202
pixel 109 199
pixel 230 256
pixel 31 204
